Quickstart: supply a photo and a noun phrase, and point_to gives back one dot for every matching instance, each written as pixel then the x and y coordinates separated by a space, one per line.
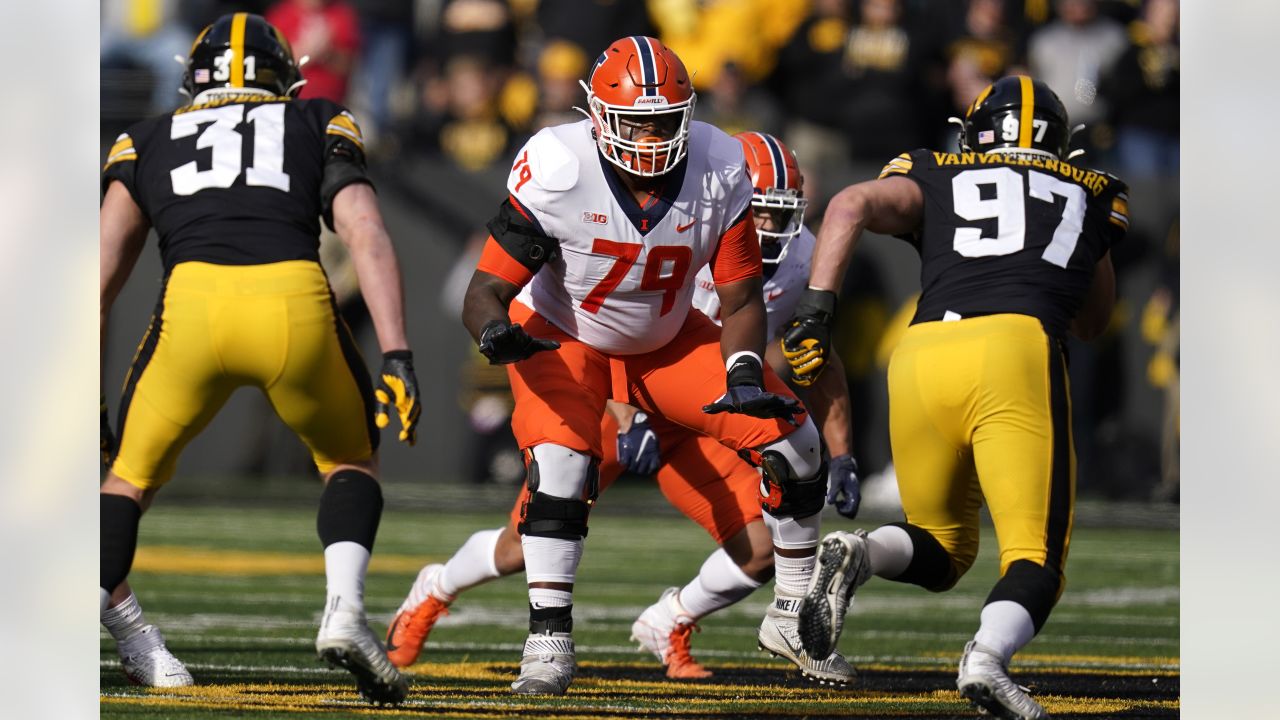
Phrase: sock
pixel 471 565
pixel 719 584
pixel 1006 628
pixel 345 564
pixel 548 598
pixel 890 549
pixel 124 620
pixel 551 559
pixel 792 574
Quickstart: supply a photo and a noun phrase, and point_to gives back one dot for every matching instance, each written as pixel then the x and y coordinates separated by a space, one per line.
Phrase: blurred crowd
pixel 456 86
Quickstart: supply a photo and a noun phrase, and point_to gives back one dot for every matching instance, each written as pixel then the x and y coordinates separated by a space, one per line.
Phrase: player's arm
pixel 122 233
pixel 737 273
pixel 516 250
pixel 892 205
pixel 1094 316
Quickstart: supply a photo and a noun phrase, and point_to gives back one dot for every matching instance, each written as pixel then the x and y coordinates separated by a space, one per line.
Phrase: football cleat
pixel 146 661
pixel 984 680
pixel 547 666
pixel 843 566
pixel 780 635
pixel 665 630
pixel 417 615
pixel 346 641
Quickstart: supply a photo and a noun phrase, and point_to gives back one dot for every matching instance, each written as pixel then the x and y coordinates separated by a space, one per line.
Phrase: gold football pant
pixel 220 327
pixel 979 409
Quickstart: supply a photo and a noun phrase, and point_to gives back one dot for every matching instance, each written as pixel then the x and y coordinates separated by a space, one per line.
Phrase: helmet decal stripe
pixel 648 70
pixel 978 100
pixel 1028 111
pixel 779 161
pixel 237 49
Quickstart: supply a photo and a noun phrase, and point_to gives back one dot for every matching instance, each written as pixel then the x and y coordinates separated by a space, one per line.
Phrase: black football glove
pixel 398 388
pixel 638 447
pixel 807 341
pixel 746 394
pixel 504 343
pixel 845 494
pixel 108 438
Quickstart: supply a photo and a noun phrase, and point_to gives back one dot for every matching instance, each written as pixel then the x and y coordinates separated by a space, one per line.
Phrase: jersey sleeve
pixel 1117 212
pixel 122 165
pixel 344 160
pixel 737 255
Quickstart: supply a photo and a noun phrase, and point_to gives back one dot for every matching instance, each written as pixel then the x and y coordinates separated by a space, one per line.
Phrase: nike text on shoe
pixel 843 566
pixel 984 680
pixel 547 666
pixel 780 635
pixel 345 641
pixel 664 630
pixel 146 661
pixel 417 615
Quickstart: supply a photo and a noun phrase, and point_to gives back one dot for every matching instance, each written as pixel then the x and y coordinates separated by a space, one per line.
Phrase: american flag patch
pixel 986 136
pixel 202 75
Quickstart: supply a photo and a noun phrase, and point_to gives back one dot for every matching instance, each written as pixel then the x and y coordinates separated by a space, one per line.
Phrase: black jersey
pixel 1005 234
pixel 241 179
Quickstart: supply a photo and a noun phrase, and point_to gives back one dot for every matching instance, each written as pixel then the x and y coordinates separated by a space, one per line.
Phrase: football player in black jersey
pixel 1014 243
pixel 235 185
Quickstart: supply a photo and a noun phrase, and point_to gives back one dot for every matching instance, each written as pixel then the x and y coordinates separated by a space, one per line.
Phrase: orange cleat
pixel 680 664
pixel 410 628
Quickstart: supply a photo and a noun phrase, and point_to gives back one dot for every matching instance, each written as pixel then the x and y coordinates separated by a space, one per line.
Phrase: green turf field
pixel 238 592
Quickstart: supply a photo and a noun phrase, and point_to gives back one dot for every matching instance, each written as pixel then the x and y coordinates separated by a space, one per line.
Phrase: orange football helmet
pixel 776 186
pixel 638 81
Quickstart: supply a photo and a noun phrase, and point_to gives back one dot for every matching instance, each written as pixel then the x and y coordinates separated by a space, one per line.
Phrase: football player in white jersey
pixel 584 290
pixel 705 480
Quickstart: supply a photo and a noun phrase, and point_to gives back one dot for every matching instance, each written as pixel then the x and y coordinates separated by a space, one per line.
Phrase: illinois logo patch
pixel 595 218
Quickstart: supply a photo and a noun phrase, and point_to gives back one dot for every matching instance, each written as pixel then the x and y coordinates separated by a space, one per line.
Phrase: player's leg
pixel 317 382
pixel 676 381
pixel 174 388
pixel 935 546
pixel 559 400
pixel 713 487
pixel 1023 451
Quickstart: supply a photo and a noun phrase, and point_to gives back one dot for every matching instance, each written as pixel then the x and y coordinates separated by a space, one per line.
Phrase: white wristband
pixel 739 355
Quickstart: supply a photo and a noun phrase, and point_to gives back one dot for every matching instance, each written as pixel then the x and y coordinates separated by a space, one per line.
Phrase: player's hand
pixel 504 343
pixel 746 394
pixel 845 493
pixel 398 389
pixel 807 341
pixel 108 437
pixel 638 447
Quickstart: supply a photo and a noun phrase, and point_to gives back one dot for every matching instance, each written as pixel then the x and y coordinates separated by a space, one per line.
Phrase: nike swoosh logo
pixel 682 228
pixel 391 646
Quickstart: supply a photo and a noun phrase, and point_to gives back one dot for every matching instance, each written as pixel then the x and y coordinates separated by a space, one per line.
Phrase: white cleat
pixel 780 635
pixel 345 641
pixel 843 566
pixel 664 629
pixel 984 680
pixel 146 661
pixel 547 666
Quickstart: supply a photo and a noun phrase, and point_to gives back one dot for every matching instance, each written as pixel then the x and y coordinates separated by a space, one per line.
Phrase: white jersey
pixel 623 283
pixel 781 292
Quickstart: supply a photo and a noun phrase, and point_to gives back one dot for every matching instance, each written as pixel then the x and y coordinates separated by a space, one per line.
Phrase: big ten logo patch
pixel 595 218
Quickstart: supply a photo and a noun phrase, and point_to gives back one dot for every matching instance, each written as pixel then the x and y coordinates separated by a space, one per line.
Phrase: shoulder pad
pixel 723 151
pixel 344 125
pixel 546 162
pixel 900 165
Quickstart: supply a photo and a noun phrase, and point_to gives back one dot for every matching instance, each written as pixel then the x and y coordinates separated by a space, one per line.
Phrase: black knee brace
pixel 350 508
pixel 118 539
pixel 1032 586
pixel 931 566
pixel 544 515
pixel 784 495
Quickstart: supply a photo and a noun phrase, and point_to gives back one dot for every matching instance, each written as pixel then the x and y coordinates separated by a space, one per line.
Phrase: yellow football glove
pixel 807 341
pixel 398 387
